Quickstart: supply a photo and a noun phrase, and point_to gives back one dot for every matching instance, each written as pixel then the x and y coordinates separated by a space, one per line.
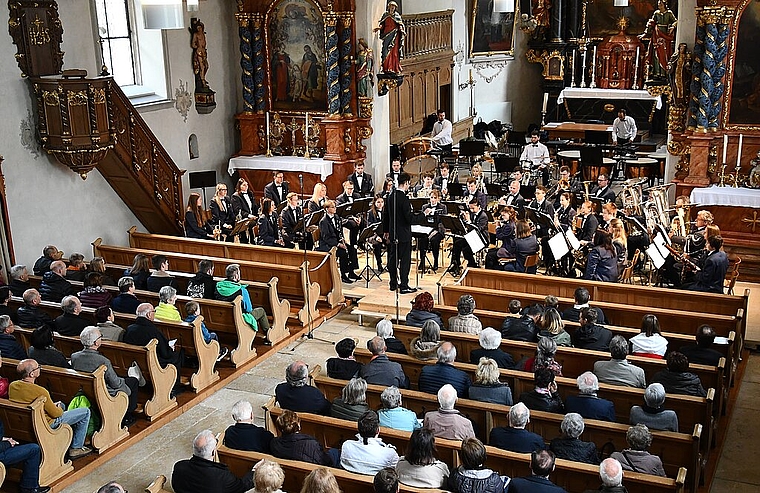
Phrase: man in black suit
pixel 277 190
pixel 515 437
pixel 604 190
pixel 442 181
pixel 590 223
pixel 201 473
pixel 331 235
pixel 476 219
pixel 291 215
pixel 395 171
pixel 362 182
pixel 473 193
pixel 702 353
pixel 514 198
pixel 710 278
pixel 397 229
pixel 582 298
pixel 244 435
pixel 142 331
pixel 71 323
pixel 353 224
pixel 541 466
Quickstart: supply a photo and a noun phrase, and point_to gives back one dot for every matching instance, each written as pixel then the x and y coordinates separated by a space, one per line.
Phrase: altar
pixel 596 93
pixel 257 170
pixel 320 167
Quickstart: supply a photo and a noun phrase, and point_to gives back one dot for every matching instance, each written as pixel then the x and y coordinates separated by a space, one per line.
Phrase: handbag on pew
pixel 135 372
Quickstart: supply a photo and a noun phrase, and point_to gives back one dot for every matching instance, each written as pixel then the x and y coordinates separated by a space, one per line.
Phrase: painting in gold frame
pixel 491 33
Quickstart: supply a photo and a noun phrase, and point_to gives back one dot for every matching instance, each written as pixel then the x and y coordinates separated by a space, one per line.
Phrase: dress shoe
pixel 393 288
pixel 354 276
pixel 75 453
pixel 408 290
pixel 346 279
pixel 39 489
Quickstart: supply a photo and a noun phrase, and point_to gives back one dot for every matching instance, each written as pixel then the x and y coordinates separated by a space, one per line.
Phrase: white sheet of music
pixel 654 253
pixel 474 241
pixel 420 229
pixel 574 243
pixel 558 246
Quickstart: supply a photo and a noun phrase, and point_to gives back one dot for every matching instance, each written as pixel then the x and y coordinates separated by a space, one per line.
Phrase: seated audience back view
pixel 29 315
pixel 72 322
pixel 433 377
pixel 447 422
pixel 201 473
pixel 587 403
pixel 653 413
pixel 582 298
pixel 515 437
pixel 244 435
pixel 368 454
pixel 55 286
pixel 296 395
pixel 380 370
pixel 611 474
pixel 618 370
pixel 541 466
pixel 703 352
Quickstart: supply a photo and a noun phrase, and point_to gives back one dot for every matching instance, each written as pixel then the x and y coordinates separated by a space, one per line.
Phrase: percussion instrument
pixel 642 167
pixel 418 165
pixel 591 173
pixel 571 159
pixel 415 147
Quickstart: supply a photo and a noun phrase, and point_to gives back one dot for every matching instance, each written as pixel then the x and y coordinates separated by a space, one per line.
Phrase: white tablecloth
pixel 587 93
pixel 282 163
pixel 715 195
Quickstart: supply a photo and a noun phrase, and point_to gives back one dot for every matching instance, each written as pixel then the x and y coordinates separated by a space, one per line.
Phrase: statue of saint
pixel 661 32
pixel 392 33
pixel 753 181
pixel 365 61
pixel 679 69
pixel 200 55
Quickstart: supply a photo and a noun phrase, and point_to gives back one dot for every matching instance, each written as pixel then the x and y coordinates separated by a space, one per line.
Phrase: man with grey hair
pixel 295 393
pixel 569 446
pixel 244 435
pixel 112 487
pixel 392 415
pixel 447 422
pixel 49 255
pixel 19 275
pixel 618 370
pixel 384 329
pixel 380 370
pixel 653 414
pixel 89 359
pixel 55 286
pixel 611 474
pixel 490 340
pixel 515 437
pixel 126 301
pixel 587 403
pixel 142 331
pixel 230 288
pixel 201 473
pixel 9 346
pixel 71 322
pixel 433 377
pixel 636 457
pixel 30 316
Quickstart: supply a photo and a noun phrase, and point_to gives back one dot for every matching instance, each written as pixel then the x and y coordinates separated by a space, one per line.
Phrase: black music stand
pixel 540 218
pixel 494 189
pixel 456 229
pixel 468 148
pixel 455 189
pixel 365 238
pixel 459 207
pixel 241 226
pixel 418 203
pixel 596 137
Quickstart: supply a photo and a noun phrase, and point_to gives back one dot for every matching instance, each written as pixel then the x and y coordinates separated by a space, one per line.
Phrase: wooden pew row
pixel 189 336
pixel 293 280
pixel 678 449
pixel 63 384
pixel 324 272
pixel 122 356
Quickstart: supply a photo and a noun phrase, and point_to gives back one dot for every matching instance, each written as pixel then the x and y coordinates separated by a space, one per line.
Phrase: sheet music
pixel 660 241
pixel 558 246
pixel 574 243
pixel 474 241
pixel 654 253
pixel 420 229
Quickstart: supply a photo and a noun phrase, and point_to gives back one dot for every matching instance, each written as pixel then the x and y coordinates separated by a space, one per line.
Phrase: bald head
pixel 145 310
pixel 26 367
pixel 611 472
pixel 58 267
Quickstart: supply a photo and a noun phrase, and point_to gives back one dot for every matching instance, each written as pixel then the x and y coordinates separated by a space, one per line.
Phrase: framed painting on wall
pixel 296 42
pixel 491 33
pixel 744 91
pixel 603 16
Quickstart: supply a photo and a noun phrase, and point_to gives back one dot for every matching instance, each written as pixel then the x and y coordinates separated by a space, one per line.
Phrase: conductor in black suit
pixel 362 182
pixel 397 229
pixel 277 190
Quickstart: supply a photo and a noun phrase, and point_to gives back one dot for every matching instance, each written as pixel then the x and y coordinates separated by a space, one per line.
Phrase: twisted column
pixel 246 60
pixel 345 64
pixel 258 63
pixel 332 71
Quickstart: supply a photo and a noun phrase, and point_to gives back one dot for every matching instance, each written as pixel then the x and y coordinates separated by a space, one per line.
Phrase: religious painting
pixel 745 86
pixel 603 16
pixel 296 39
pixel 491 33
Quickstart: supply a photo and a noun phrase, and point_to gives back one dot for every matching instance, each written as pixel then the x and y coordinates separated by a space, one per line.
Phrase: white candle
pixel 572 76
pixel 593 68
pixel 306 134
pixel 546 101
pixel 725 147
pixel 267 132
pixel 636 70
pixel 739 153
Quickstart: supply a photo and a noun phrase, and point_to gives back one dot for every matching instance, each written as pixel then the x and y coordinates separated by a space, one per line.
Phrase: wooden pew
pixel 63 384
pixel 27 423
pixel 157 486
pixel 293 282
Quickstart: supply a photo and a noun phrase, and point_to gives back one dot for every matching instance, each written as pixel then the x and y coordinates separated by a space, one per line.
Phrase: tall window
pixel 117 40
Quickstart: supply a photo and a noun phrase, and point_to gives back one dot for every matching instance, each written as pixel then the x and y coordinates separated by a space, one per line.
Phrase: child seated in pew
pixel 193 309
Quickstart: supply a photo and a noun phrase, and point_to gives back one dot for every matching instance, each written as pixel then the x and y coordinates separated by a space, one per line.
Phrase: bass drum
pixel 416 166
pixel 415 147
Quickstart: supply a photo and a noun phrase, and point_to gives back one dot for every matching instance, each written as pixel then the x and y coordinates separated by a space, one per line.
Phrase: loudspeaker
pixel 203 179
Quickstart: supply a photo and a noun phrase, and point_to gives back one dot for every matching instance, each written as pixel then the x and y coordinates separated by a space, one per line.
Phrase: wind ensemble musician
pixel 222 213
pixel 318 198
pixel 681 271
pixel 362 181
pixel 526 244
pixel 441 135
pixel 196 225
pixel 375 216
pixel 563 184
pixel 513 198
pixel 603 189
pixel 565 214
pixel 244 205
pixel 537 154
pixel 277 189
pixel 353 223
pixel 542 205
pixel 602 264
pixel 710 277
pixel 505 238
pixel 424 188
pixel 331 235
pixel 291 215
pixel 480 179
pixel 432 212
pixel 269 225
pixel 444 178
pixel 475 219
pixel 588 223
pixel 395 171
pixel 473 193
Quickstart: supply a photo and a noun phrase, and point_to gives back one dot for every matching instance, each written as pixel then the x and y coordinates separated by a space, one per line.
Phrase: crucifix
pixel 754 221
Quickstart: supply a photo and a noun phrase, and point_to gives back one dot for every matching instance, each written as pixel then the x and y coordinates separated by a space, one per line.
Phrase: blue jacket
pixel 516 440
pixel 399 418
pixel 382 371
pixel 533 484
pixel 591 407
pixel 433 377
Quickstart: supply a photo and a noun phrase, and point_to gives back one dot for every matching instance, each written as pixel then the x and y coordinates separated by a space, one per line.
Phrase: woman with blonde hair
pixel 619 241
pixel 320 480
pixel 196 225
pixel 487 387
pixel 318 198
pixel 553 327
pixel 268 477
pixel 222 213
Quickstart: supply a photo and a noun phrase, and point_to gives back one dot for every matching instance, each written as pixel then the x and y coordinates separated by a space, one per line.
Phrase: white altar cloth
pixel 282 163
pixel 715 195
pixel 595 93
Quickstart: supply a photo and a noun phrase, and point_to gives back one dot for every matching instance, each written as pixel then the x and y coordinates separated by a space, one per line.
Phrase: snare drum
pixel 571 159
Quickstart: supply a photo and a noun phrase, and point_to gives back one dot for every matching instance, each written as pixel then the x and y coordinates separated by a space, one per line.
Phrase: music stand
pixel 505 163
pixel 596 137
pixel 459 207
pixel 355 208
pixel 418 202
pixel 469 148
pixel 540 218
pixel 365 237
pixel 280 207
pixel 241 226
pixel 494 189
pixel 455 189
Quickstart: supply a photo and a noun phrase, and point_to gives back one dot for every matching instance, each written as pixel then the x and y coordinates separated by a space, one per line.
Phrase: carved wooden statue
pixel 392 32
pixel 661 32
pixel 204 96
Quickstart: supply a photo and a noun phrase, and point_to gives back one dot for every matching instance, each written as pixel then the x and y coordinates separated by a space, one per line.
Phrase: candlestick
pixel 593 69
pixel 722 182
pixel 725 147
pixel 269 149
pixel 583 69
pixel 636 70
pixel 546 101
pixel 306 138
pixel 572 77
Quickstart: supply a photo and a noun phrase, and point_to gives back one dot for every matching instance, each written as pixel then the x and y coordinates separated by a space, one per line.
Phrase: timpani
pixel 571 159
pixel 643 167
pixel 415 147
pixel 660 170
pixel 592 172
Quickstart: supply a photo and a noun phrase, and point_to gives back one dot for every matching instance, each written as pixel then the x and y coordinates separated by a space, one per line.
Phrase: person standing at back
pixel 397 228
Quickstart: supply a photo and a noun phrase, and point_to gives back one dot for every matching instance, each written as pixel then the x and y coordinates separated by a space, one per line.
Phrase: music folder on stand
pixel 242 225
pixel 456 229
pixel 365 238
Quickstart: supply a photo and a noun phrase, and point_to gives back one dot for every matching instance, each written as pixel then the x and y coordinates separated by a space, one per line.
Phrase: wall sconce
pixel 163 14
pixel 505 5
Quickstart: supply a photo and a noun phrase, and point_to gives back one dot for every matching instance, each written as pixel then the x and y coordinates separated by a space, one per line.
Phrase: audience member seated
pixel 587 403
pixel 544 397
pixel 490 340
pixel 160 277
pixel 291 444
pixel 89 359
pixel 97 264
pixel 487 387
pixel 602 263
pixel 9 346
pixel 385 481
pixel 71 322
pixel 55 286
pixel 649 342
pixel 552 327
pixel 515 437
pixel 380 370
pixel 611 474
pixel 433 377
pixel 295 395
pixel 526 244
pixel 653 413
pixel 541 466
pixel 546 349
pixel 582 298
pixel 701 353
pixel 677 379
pixel 367 454
pixel 50 254
pixel 523 328
pixel 142 331
pixel 25 391
pixel 244 435
pixel 29 456
pixel 514 307
pixel 465 319
pixel 166 311
pixel 19 280
pixel 42 348
pixel 321 480
pixel 344 367
pixel 202 284
pixel 393 415
pixel 473 476
pixel 5 298
pixel 112 487
pixel 636 457
pixel 569 446
pixel 422 311
pixel 352 403
pixel 140 271
pixel 425 346
pixel 618 370
pixel 419 467
pixel 193 310
pixel 384 329
pixel 93 295
pixel 29 315
pixel 126 301
pixel 105 319
pixel 447 422
pixel 268 477
pixel 230 288
pixel 591 335
pixel 202 473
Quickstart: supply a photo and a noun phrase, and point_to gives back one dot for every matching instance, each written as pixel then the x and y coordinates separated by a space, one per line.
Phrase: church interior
pixel 490 120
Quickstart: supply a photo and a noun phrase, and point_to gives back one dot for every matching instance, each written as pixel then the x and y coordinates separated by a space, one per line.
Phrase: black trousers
pixel 461 247
pixel 347 259
pixel 132 383
pixel 433 246
pixel 401 260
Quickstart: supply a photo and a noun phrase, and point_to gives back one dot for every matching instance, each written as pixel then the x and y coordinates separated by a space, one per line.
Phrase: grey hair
pixel 5 322
pixel 611 472
pixel 572 425
pixel 447 353
pixel 143 309
pixel 654 395
pixel 232 272
pixel 391 397
pixel 618 347
pixel 204 445
pixel 430 331
pixel 447 396
pixel 89 335
pixel 17 271
pixel 112 487
pixel 242 411
pixel 487 372
pixel 587 382
pixel 166 293
pixel 489 338
pixel 545 351
pixel 69 304
pixel 384 328
pixel 519 415
pixel 466 304
pixel 638 437
pixel 297 374
pixel 355 391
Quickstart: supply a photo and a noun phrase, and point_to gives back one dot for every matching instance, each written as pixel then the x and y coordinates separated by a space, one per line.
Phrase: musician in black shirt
pixel 473 193
pixel 589 224
pixel 476 219
pixel 354 224
pixel 432 213
pixel 331 235
pixel 291 232
pixel 362 181
pixel 375 216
